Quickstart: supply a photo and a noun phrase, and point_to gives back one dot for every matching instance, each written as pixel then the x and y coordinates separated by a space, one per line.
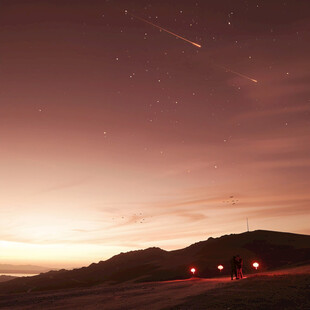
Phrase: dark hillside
pixel 271 249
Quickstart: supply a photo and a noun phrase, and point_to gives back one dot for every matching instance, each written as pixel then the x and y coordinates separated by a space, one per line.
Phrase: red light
pixel 193 270
pixel 256 265
pixel 220 267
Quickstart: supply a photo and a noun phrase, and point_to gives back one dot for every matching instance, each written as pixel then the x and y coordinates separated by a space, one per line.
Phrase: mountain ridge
pixel 271 249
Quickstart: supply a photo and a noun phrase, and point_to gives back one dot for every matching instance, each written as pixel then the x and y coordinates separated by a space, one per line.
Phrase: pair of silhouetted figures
pixel 236 264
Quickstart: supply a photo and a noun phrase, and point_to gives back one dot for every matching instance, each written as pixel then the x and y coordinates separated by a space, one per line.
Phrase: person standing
pixel 233 268
pixel 239 265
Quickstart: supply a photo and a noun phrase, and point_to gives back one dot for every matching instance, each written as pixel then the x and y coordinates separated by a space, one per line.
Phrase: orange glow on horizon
pixel 117 136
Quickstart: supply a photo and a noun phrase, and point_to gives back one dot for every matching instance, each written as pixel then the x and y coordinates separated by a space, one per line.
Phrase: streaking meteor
pixel 237 73
pixel 195 44
pixel 163 29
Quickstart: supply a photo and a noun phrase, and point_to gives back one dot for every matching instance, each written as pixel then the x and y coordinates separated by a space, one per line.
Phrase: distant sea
pixel 18 274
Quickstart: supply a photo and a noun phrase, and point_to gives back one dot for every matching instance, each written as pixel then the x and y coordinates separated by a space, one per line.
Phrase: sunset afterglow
pixel 116 136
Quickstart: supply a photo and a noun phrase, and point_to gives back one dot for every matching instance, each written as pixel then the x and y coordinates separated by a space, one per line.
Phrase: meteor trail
pixel 193 43
pixel 163 29
pixel 237 73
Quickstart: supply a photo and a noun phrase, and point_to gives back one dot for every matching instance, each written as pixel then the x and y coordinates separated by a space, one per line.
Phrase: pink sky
pixel 115 136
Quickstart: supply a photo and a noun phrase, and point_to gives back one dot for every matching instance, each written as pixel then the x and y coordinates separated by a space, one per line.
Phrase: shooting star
pixel 237 73
pixel 193 43
pixel 163 29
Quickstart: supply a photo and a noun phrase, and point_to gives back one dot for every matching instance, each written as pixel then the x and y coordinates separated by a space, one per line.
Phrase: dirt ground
pixel 283 289
pixel 278 292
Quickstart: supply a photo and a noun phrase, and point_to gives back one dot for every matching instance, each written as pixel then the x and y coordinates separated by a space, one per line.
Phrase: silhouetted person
pixel 233 266
pixel 239 264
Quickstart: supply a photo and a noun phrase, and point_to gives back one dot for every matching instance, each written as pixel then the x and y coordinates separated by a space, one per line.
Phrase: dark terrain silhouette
pixel 4 278
pixel 271 249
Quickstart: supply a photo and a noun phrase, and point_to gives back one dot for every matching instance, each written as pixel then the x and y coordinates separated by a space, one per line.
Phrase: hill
pixel 6 278
pixel 271 249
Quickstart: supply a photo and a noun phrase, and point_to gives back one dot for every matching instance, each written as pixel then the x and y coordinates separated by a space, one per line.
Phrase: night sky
pixel 116 136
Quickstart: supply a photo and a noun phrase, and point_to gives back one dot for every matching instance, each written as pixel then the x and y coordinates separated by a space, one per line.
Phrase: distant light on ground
pixel 193 270
pixel 256 265
pixel 220 267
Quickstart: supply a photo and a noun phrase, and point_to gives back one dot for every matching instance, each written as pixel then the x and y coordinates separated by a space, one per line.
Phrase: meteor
pixel 242 75
pixel 163 29
pixel 193 43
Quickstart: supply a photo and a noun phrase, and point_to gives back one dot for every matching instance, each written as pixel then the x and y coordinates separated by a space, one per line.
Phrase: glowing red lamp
pixel 220 267
pixel 256 265
pixel 193 270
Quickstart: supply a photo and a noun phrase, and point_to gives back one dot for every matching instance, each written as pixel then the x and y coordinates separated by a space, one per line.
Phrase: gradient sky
pixel 116 136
